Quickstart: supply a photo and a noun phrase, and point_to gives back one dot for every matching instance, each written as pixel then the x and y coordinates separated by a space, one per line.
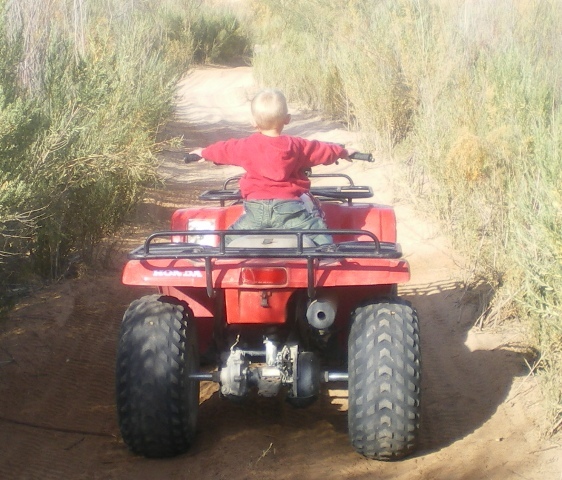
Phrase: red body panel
pixel 208 218
pixel 377 219
pixel 256 306
pixel 351 279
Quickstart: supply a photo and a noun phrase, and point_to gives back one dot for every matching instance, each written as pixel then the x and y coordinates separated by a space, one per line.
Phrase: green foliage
pixel 83 162
pixel 218 37
pixel 470 93
pixel 214 35
pixel 82 95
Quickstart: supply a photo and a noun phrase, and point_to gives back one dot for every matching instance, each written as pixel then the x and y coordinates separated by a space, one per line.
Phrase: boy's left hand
pixel 350 151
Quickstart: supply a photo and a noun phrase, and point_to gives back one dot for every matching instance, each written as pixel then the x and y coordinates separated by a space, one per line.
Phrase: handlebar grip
pixel 367 157
pixel 191 158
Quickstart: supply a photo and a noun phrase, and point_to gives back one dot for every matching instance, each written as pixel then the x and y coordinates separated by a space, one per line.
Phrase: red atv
pixel 271 312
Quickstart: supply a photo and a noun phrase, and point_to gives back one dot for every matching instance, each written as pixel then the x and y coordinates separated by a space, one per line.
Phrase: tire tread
pixel 384 379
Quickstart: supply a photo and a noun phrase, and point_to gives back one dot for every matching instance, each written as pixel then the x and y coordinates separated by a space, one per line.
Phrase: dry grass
pixel 470 93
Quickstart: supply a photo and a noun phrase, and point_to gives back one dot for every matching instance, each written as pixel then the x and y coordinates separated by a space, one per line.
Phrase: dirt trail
pixel 57 354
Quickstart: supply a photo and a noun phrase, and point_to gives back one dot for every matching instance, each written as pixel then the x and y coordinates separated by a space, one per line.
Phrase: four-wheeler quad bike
pixel 274 313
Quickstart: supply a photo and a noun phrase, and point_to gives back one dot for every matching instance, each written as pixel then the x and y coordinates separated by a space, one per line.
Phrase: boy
pixel 275 182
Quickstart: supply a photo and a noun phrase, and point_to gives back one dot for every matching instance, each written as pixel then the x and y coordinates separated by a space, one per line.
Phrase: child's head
pixel 270 111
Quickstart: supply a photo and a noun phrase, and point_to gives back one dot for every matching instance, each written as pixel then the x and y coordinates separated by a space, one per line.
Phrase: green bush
pixel 214 35
pixel 84 162
pixel 83 93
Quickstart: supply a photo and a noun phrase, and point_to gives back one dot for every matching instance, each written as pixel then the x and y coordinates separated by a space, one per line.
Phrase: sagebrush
pixel 468 95
pixel 84 88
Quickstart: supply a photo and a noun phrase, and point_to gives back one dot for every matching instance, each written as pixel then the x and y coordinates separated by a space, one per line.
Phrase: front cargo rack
pixel 342 193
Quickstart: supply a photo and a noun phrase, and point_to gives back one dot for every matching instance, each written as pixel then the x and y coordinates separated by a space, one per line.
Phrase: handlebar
pixel 191 158
pixel 366 157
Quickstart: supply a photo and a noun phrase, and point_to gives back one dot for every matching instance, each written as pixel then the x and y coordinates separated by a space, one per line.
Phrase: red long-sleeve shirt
pixel 274 165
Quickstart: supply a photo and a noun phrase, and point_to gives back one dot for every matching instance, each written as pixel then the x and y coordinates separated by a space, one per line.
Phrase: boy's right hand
pixel 194 156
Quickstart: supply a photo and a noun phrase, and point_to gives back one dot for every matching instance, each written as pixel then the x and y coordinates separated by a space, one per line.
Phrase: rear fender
pixel 205 218
pixel 378 219
pixel 207 311
pixel 227 273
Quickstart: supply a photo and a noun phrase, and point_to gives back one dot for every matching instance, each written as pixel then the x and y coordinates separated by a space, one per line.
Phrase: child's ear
pixel 288 119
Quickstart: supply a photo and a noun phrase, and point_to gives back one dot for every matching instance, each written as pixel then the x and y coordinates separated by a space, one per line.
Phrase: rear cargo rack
pixel 178 247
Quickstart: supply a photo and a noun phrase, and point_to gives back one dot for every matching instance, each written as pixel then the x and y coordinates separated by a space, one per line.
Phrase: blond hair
pixel 269 109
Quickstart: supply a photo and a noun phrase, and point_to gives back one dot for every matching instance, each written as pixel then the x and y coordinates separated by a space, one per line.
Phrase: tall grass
pixel 470 94
pixel 84 88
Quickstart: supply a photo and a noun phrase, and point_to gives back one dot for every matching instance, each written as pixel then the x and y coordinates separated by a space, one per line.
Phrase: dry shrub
pixel 469 93
pixel 466 160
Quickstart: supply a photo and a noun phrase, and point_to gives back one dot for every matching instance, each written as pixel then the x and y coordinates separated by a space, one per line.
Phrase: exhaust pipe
pixel 321 313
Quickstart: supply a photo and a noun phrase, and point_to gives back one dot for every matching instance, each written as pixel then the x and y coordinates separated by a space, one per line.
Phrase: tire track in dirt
pixel 60 397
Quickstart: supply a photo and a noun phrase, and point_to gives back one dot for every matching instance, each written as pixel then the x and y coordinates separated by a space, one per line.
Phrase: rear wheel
pixel 384 379
pixel 157 403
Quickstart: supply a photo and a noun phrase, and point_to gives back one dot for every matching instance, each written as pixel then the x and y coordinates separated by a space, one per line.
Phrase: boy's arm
pixel 225 152
pixel 322 153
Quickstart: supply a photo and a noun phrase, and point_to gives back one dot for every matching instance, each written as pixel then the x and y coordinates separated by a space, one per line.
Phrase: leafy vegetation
pixel 84 87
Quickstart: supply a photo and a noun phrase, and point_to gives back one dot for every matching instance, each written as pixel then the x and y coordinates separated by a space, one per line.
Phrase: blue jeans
pixel 280 214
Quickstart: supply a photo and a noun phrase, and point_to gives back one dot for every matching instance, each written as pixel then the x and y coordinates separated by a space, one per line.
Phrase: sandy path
pixel 57 353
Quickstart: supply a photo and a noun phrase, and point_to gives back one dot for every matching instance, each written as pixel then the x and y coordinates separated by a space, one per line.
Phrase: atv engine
pixel 284 366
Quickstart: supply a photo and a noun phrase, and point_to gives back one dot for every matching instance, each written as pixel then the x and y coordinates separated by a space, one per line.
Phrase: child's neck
pixel 271 133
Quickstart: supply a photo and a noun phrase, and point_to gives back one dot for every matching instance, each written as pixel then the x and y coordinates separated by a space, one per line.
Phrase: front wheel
pixel 157 402
pixel 384 379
